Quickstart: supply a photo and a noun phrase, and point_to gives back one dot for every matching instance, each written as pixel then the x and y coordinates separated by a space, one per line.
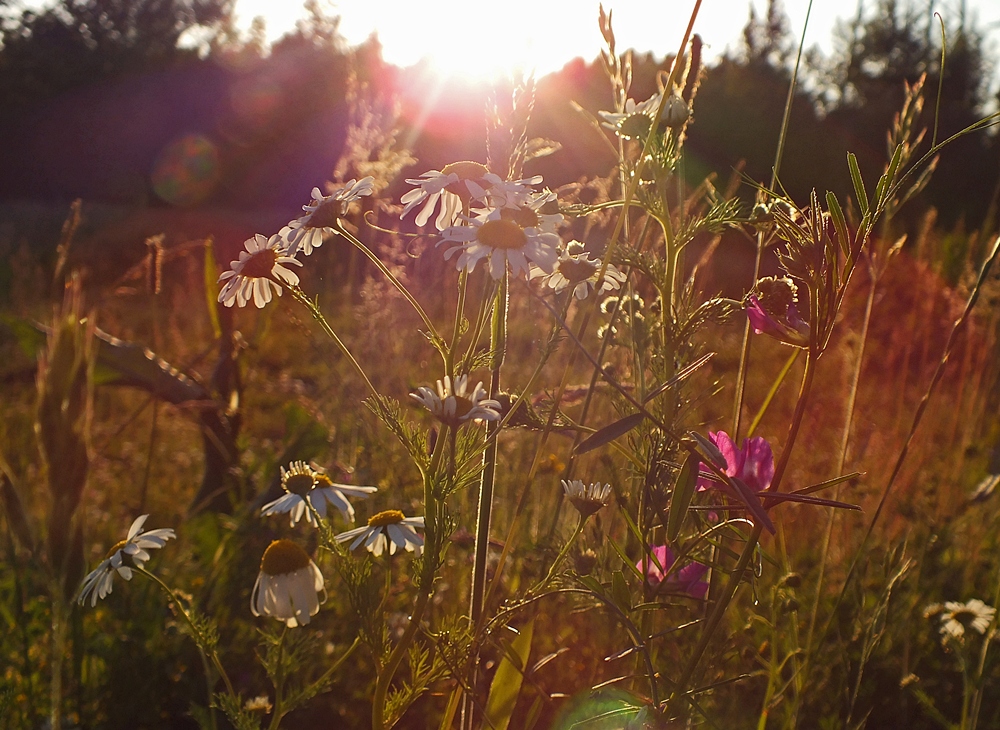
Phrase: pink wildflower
pixel 657 567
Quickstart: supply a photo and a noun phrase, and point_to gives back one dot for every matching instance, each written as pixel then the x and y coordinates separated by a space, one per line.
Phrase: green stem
pixel 279 684
pixel 314 310
pixel 560 557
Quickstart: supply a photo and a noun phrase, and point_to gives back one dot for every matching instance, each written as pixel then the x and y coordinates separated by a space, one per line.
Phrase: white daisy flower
pixel 500 193
pixel 957 617
pixel 586 499
pixel 453 405
pixel 289 586
pixel 452 187
pixel 129 553
pixel 536 210
pixel 502 241
pixel 575 268
pixel 303 482
pixel 261 268
pixel 322 213
pixel 635 120
pixel 388 527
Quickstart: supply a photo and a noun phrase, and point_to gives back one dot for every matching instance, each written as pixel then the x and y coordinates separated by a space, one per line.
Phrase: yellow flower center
pixel 502 234
pixel 523 216
pixel 282 557
pixel 299 484
pixel 577 269
pixel 118 546
pixel 260 264
pixel 386 517
pixel 462 407
pixel 635 126
pixel 324 479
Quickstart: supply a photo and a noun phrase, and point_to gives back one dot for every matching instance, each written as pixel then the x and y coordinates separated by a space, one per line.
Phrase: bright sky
pixel 481 38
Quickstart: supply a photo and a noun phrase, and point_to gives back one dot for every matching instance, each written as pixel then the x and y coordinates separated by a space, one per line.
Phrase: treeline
pixel 95 90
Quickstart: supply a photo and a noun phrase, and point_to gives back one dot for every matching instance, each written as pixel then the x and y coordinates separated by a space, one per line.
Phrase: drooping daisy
pixel 322 213
pixel 500 193
pixel 261 268
pixel 454 186
pixel 536 210
pixel 289 586
pixel 127 554
pixel 957 617
pixel 453 405
pixel 501 241
pixel 389 527
pixel 586 499
pixel 303 482
pixel 575 268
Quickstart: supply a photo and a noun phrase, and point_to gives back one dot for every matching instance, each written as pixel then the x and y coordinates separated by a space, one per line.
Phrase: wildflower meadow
pixel 459 446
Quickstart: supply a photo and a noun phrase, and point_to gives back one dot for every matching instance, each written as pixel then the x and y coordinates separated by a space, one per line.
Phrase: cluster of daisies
pixel 262 270
pixel 507 224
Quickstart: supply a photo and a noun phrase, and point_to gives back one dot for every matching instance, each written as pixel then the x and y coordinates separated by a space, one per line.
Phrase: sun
pixel 476 42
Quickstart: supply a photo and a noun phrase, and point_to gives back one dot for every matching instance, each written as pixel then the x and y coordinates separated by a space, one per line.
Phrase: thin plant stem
pixel 436 338
pixel 195 633
pixel 741 376
pixel 561 556
pixel 775 387
pixel 314 310
pixel 279 684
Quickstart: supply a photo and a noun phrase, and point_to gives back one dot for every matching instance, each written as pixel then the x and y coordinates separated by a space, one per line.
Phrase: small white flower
pixel 259 269
pixel 453 405
pixel 322 213
pixel 303 482
pixel 388 527
pixel 634 122
pixel 501 241
pixel 499 193
pixel 289 586
pixel 453 187
pixel 957 617
pixel 586 499
pixel 575 268
pixel 129 553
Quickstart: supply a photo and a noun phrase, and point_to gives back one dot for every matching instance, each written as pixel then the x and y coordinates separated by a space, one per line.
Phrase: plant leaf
pixel 506 684
pixel 680 499
pixel 610 433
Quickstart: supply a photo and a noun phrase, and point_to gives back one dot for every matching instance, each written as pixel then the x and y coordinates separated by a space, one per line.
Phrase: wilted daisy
pixel 453 187
pixel 259 269
pixel 453 405
pixel 322 213
pixel 389 527
pixel 586 499
pixel 532 210
pixel 575 268
pixel 501 241
pixel 957 617
pixel 129 553
pixel 289 585
pixel 303 482
pixel 499 193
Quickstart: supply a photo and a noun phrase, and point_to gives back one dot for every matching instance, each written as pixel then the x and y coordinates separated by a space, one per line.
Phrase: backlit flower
pixel 453 188
pixel 260 268
pixel 454 405
pixel 388 527
pixel 501 241
pixel 322 213
pixel 771 310
pixel 586 499
pixel 289 586
pixel 957 617
pixel 303 482
pixel 576 269
pixel 659 570
pixel 753 464
pixel 635 120
pixel 122 558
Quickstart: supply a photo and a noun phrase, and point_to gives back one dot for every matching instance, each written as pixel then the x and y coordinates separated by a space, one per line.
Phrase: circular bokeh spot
pixel 187 170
